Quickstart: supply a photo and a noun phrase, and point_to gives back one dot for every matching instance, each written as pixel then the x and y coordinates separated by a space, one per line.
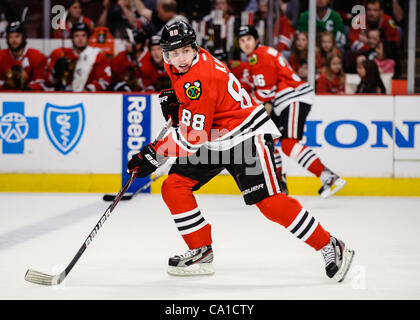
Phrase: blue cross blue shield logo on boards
pixel 136 132
pixel 64 126
pixel 16 127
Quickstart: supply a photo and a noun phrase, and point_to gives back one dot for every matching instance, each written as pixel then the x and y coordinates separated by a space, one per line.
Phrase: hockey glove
pixel 144 162
pixel 170 105
pixel 61 66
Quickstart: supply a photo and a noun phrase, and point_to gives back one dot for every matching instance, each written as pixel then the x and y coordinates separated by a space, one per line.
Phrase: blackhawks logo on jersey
pixel 253 59
pixel 193 90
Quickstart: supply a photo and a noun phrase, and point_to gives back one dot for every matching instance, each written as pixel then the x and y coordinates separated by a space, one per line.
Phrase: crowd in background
pixel 347 41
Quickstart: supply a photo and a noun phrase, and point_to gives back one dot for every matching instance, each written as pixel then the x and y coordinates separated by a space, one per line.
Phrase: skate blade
pixel 338 185
pixel 199 269
pixel 348 255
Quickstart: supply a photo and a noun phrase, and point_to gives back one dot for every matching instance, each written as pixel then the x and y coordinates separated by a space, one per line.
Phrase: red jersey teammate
pixel 21 68
pixel 125 66
pixel 220 127
pixel 81 68
pixel 154 75
pixel 289 100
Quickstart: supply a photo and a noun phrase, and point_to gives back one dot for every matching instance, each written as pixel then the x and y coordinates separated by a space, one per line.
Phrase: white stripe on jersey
pixel 258 122
pixel 264 166
pixel 303 93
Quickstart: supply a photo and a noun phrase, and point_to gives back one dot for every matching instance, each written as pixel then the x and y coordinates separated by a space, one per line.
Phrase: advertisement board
pixel 136 132
pixel 60 133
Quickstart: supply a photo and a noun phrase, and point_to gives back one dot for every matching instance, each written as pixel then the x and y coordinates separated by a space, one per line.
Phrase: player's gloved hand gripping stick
pixel 51 280
pixel 136 160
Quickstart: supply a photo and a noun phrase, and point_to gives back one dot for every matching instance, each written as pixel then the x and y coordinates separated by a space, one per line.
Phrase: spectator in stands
pixel 165 13
pixel 371 81
pixel 326 20
pixel 153 73
pixel 193 9
pixel 374 38
pixel 375 19
pixel 81 68
pixel 381 51
pixel 74 14
pixel 384 53
pixel 291 11
pixel 396 9
pixel 21 68
pixel 217 30
pixel 125 66
pixel 299 56
pixel 359 60
pixel 333 79
pixel 117 16
pixel 283 32
pixel 326 46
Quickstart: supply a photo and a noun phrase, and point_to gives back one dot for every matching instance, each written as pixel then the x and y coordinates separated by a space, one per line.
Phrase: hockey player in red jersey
pixel 81 68
pixel 218 126
pixel 126 74
pixel 289 100
pixel 21 68
pixel 154 75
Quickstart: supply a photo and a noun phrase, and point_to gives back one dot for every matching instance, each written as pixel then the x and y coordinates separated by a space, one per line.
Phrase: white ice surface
pixel 254 257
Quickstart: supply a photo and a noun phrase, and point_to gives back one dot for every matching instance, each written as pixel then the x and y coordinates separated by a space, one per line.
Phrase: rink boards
pixel 81 142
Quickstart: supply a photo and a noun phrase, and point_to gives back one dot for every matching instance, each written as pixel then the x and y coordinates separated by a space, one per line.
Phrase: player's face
pixel 247 44
pixel 80 39
pixel 156 53
pixel 14 40
pixel 182 58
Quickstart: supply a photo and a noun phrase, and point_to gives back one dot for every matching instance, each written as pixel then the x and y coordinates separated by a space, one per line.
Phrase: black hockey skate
pixel 331 183
pixel 337 258
pixel 192 263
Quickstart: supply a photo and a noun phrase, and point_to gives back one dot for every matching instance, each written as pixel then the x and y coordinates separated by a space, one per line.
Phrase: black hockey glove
pixel 144 162
pixel 170 105
pixel 60 67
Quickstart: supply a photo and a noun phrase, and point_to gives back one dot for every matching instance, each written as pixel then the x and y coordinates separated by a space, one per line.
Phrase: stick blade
pixel 111 197
pixel 43 278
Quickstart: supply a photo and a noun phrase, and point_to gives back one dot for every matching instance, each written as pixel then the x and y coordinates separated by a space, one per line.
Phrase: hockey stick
pixel 111 197
pixel 51 280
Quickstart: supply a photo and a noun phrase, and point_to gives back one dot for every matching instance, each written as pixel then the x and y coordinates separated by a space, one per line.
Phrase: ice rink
pixel 254 257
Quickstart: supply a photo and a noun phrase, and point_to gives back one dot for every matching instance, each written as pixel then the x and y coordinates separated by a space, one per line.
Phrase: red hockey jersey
pixel 91 70
pixel 28 71
pixel 275 80
pixel 124 68
pixel 285 33
pixel 153 78
pixel 215 110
